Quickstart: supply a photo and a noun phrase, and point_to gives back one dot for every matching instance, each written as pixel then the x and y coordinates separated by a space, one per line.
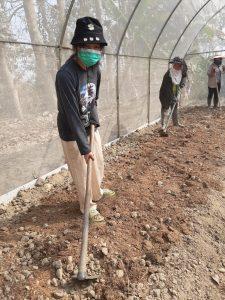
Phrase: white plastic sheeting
pixel 142 35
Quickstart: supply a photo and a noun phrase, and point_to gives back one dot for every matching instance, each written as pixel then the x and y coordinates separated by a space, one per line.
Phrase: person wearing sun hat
pixel 77 87
pixel 214 80
pixel 173 80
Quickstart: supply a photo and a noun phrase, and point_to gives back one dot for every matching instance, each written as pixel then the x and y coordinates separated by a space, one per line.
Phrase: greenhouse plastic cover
pixel 142 36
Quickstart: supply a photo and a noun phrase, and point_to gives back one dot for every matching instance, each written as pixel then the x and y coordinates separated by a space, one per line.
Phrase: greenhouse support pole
pixel 186 27
pixel 150 57
pixel 117 67
pixel 64 31
pixel 202 28
pixel 205 52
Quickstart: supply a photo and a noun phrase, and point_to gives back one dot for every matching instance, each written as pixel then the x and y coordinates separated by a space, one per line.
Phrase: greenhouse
pixel 143 36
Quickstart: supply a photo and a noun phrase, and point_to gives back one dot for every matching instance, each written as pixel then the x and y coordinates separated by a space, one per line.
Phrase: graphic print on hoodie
pixel 87 96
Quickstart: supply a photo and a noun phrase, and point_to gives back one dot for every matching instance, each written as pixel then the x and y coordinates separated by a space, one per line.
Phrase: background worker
pixel 173 80
pixel 214 80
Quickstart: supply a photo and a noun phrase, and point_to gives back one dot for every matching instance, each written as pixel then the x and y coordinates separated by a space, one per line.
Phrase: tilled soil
pixel 164 236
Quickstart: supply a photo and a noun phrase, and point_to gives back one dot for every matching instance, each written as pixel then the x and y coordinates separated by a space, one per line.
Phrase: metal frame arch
pixel 117 66
pixel 187 26
pixel 128 23
pixel 186 54
pixel 162 29
pixel 65 23
pixel 64 30
pixel 205 52
pixel 150 57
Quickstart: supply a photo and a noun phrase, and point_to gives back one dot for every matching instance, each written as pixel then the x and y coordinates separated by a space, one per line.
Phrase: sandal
pixel 108 193
pixel 163 133
pixel 95 216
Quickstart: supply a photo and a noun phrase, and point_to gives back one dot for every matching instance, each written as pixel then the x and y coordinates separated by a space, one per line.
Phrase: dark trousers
pixel 213 92
pixel 165 114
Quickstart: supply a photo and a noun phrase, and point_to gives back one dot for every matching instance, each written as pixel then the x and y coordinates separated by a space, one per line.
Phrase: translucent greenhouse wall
pixel 208 41
pixel 142 36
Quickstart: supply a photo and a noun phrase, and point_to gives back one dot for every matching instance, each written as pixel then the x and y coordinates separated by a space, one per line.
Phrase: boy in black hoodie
pixel 77 87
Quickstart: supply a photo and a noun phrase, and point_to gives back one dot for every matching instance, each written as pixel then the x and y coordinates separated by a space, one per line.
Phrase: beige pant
pixel 78 168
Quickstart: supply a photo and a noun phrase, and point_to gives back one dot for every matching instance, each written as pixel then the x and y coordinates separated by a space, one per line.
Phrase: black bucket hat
pixel 176 60
pixel 88 31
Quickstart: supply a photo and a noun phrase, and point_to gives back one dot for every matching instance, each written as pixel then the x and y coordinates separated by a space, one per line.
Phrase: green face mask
pixel 89 57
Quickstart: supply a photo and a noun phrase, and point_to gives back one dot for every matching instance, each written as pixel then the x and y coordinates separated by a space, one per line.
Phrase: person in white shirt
pixel 214 80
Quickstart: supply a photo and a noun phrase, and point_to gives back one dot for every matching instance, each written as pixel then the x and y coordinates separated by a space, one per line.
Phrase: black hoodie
pixel 77 91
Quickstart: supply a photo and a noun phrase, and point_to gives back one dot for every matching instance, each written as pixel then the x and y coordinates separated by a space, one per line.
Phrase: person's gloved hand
pixel 182 85
pixel 174 100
